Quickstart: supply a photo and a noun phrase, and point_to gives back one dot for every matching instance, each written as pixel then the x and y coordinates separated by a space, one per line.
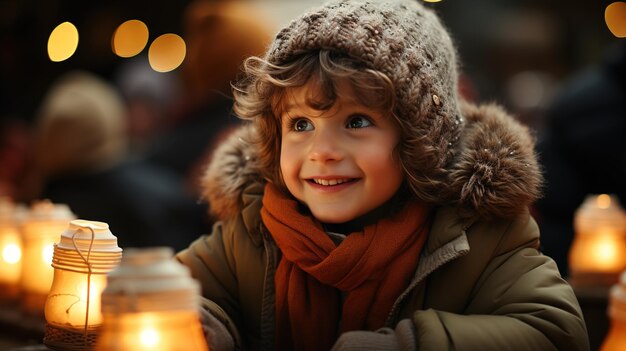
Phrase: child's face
pixel 339 162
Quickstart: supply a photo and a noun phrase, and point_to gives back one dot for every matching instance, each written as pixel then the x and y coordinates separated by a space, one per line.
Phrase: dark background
pixel 496 39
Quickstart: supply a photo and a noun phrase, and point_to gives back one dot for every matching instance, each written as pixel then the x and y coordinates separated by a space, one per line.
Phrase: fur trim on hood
pixel 495 172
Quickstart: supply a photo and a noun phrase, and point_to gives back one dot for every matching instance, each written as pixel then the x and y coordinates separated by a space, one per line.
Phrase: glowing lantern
pixel 151 303
pixel 10 248
pixel 616 338
pixel 41 229
pixel 86 252
pixel 598 253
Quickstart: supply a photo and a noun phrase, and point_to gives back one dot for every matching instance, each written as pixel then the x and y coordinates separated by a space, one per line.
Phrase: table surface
pixel 18 329
pixel 22 332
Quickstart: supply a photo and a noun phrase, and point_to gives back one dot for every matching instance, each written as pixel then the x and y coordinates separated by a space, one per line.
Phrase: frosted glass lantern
pixel 151 303
pixel 41 229
pixel 616 338
pixel 598 252
pixel 86 252
pixel 10 248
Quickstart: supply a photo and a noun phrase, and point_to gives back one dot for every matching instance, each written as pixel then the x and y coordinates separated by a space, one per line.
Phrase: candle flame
pixel 603 201
pixel 148 337
pixel 11 253
pixel 47 253
pixel 604 251
pixel 94 292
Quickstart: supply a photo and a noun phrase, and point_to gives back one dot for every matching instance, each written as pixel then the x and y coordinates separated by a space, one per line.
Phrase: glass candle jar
pixel 616 338
pixel 598 252
pixel 10 249
pixel 41 229
pixel 151 303
pixel 86 252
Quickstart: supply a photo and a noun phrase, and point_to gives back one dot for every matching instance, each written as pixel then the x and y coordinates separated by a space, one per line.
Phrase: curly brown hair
pixel 260 95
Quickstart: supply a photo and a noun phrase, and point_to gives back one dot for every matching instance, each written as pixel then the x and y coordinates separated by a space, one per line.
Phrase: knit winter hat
pixel 482 163
pixel 405 41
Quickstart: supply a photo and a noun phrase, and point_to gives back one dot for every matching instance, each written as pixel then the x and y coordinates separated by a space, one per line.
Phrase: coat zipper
pixel 428 264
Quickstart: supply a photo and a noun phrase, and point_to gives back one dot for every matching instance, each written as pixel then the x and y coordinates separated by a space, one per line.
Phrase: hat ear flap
pixel 496 171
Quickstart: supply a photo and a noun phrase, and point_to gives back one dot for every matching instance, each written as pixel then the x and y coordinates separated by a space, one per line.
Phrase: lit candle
pixel 10 248
pixel 151 303
pixel 41 228
pixel 86 252
pixel 598 252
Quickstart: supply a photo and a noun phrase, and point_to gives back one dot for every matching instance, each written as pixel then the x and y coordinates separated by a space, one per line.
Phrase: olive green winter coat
pixel 481 282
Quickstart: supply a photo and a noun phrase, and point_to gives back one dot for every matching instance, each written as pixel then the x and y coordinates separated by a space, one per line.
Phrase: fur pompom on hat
pixel 400 38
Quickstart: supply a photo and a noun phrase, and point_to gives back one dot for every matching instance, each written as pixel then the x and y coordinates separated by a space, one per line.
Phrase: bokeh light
pixel 11 254
pixel 167 52
pixel 62 42
pixel 615 17
pixel 603 201
pixel 148 337
pixel 130 38
pixel 47 253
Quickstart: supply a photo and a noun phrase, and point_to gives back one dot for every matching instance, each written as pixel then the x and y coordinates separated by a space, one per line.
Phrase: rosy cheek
pixel 287 162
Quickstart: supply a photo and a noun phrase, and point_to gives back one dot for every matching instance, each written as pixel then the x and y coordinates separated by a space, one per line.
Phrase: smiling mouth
pixel 331 182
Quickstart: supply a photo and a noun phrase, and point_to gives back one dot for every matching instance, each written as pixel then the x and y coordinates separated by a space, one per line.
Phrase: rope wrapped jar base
pixel 67 339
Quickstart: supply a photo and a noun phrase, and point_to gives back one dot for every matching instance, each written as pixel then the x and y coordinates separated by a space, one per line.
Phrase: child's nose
pixel 325 146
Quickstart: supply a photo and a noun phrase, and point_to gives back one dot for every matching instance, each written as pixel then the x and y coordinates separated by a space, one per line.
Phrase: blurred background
pixel 167 66
pixel 515 52
pixel 498 41
pixel 113 107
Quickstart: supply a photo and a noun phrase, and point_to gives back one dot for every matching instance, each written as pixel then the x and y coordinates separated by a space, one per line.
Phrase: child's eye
pixel 301 125
pixel 358 122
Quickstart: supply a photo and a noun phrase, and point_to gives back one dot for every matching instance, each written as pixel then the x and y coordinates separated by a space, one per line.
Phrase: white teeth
pixel 330 181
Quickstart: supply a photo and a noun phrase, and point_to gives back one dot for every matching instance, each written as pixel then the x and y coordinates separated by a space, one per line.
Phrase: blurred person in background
pixel 150 97
pixel 583 149
pixel 82 158
pixel 15 159
pixel 219 36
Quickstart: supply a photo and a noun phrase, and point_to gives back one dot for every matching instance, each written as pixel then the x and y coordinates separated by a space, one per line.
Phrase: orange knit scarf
pixel 372 267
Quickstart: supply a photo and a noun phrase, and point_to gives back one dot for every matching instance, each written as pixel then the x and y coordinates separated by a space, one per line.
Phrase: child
pixel 367 208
